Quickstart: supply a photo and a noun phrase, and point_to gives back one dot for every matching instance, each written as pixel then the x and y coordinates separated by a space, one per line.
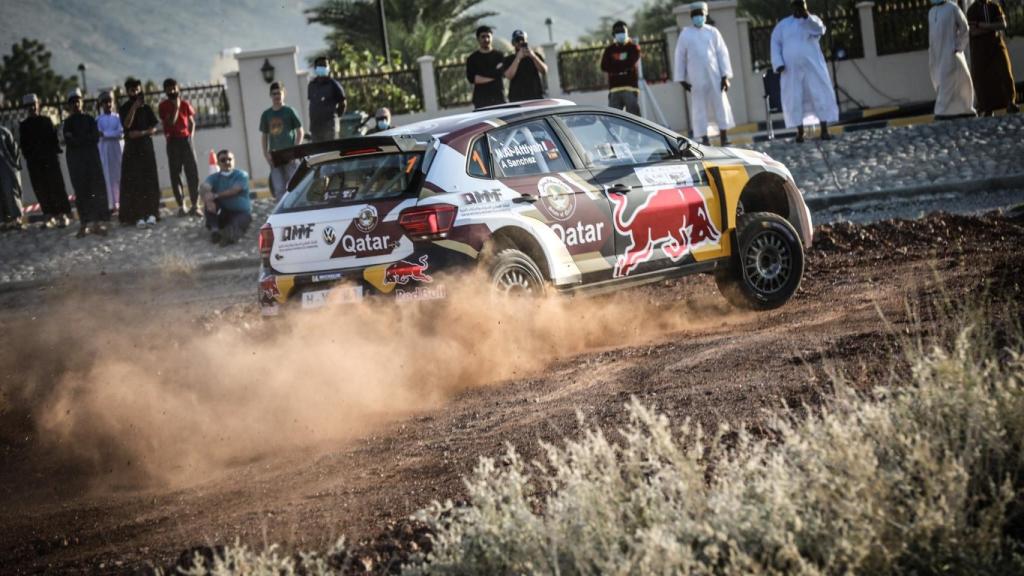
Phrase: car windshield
pixel 355 179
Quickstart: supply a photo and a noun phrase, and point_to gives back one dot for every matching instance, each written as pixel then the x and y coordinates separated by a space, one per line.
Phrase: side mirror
pixel 687 148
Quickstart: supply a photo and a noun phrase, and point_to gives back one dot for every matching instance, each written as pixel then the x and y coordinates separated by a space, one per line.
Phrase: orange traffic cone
pixel 213 162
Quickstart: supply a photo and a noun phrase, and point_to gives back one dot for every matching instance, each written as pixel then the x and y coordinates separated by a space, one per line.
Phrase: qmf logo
pixel 300 232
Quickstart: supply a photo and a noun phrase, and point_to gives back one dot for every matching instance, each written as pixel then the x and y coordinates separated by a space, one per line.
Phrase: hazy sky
pixel 158 38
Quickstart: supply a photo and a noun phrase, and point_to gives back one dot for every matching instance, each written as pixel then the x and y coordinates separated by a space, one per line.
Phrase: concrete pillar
pixel 671 37
pixel 723 13
pixel 752 93
pixel 236 110
pixel 867 28
pixel 428 83
pixel 554 76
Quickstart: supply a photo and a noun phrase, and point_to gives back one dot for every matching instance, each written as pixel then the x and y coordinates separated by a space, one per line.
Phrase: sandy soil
pixel 78 500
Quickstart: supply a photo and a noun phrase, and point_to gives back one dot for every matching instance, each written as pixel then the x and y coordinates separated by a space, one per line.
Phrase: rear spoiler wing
pixel 404 142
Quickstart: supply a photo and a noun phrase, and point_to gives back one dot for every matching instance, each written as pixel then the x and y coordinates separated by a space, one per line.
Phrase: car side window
pixel 527 149
pixel 612 141
pixel 479 160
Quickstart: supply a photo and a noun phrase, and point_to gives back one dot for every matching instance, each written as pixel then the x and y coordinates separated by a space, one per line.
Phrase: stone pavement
pixel 855 162
pixel 905 156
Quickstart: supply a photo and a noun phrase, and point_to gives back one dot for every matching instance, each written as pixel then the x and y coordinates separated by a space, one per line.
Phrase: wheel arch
pixel 768 191
pixel 520 239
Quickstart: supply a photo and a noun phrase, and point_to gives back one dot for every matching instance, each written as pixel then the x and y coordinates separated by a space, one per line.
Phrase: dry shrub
pixel 924 478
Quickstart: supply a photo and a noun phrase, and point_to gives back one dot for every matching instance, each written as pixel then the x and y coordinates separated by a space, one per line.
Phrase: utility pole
pixel 384 32
pixel 551 37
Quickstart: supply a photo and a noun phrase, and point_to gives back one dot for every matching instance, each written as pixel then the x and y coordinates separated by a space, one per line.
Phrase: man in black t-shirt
pixel 326 102
pixel 483 71
pixel 524 69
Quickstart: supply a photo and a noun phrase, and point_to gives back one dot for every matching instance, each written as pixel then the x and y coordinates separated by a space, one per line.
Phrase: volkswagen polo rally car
pixel 542 195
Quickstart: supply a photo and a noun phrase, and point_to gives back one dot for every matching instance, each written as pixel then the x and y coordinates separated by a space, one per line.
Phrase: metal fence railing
pixel 580 68
pixel 210 102
pixel 400 90
pixel 452 87
pixel 1014 10
pixel 843 24
pixel 901 26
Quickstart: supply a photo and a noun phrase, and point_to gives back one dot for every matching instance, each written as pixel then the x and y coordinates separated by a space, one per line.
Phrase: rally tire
pixel 766 268
pixel 513 273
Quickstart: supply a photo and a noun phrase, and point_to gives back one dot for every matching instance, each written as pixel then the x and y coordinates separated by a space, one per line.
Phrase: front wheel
pixel 513 273
pixel 768 263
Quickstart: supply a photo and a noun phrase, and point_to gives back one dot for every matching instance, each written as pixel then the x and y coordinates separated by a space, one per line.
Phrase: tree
pixel 26 70
pixel 442 28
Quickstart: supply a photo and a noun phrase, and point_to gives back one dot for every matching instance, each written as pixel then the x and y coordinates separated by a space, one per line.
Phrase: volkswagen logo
pixel 329 236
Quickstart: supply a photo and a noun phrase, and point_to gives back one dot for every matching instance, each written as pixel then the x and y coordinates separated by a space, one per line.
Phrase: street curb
pixel 964 186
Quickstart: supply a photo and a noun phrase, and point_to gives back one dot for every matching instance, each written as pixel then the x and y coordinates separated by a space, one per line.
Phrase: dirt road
pixel 120 446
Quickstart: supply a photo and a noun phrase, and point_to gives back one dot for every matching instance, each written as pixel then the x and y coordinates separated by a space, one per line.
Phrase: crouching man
pixel 226 202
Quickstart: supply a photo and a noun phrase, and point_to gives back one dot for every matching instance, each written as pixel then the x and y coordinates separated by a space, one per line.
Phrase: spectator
pixel 111 147
pixel 226 203
pixel 990 61
pixel 326 102
pixel 10 182
pixel 140 186
pixel 620 62
pixel 179 121
pixel 82 137
pixel 483 71
pixel 807 94
pixel 40 146
pixel 947 40
pixel 281 128
pixel 382 121
pixel 702 67
pixel 523 70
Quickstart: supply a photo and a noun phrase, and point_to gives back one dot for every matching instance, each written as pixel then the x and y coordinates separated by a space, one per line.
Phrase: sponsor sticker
pixel 403 272
pixel 367 219
pixel 664 176
pixel 327 277
pixel 421 293
pixel 483 202
pixel 558 197
pixel 582 233
pixel 294 238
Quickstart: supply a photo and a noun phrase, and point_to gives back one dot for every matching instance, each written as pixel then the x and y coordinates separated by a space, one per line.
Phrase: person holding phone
pixel 179 120
pixel 140 184
pixel 524 69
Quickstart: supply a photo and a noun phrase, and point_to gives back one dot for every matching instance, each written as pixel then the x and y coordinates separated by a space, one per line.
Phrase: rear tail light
pixel 266 240
pixel 428 222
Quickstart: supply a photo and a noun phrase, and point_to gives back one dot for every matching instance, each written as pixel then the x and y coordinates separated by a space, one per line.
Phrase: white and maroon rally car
pixel 542 195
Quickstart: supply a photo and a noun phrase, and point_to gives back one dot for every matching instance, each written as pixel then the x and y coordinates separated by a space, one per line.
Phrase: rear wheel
pixel 767 265
pixel 513 273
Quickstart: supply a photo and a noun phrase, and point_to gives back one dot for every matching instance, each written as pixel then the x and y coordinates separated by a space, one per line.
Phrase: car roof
pixel 438 127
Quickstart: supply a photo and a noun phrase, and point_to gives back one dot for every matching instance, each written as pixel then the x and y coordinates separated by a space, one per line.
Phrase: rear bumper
pixel 426 275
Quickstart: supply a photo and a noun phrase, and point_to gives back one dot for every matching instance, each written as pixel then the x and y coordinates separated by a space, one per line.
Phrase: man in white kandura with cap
pixel 948 37
pixel 807 94
pixel 702 67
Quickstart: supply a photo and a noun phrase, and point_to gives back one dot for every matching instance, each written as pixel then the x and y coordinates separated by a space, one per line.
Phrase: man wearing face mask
pixel 948 37
pixel 523 70
pixel 619 62
pixel 179 120
pixel 140 183
pixel 702 67
pixel 226 202
pixel 81 137
pixel 807 94
pixel 382 121
pixel 326 102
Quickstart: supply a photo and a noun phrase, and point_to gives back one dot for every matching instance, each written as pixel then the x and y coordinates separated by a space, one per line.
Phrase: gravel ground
pixel 173 244
pixel 887 158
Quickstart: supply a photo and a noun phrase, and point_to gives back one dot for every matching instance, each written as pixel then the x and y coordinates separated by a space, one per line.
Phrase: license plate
pixel 339 295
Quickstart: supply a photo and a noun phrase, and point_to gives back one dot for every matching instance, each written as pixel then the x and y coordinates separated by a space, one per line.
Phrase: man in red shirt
pixel 619 61
pixel 179 120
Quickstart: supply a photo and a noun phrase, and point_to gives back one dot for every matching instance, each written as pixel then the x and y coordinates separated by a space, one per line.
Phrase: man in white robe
pixel 948 36
pixel 807 94
pixel 702 67
pixel 111 146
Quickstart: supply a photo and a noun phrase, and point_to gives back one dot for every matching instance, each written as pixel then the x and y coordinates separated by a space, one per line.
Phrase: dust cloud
pixel 129 396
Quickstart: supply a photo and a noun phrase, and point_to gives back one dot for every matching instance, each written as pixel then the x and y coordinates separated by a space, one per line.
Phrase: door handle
pixel 524 199
pixel 620 189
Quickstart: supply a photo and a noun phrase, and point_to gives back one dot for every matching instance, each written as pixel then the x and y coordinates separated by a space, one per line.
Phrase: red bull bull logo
pixel 676 220
pixel 269 292
pixel 403 272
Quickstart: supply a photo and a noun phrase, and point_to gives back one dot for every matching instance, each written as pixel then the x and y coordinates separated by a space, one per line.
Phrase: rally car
pixel 540 196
